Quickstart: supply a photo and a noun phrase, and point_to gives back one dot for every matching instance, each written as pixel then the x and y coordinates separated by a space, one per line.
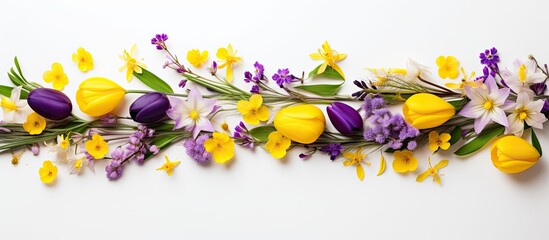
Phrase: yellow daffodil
pixel 466 80
pixel 15 109
pixel 439 141
pixel 35 124
pixel 97 147
pixel 168 166
pixel 356 158
pixel 56 76
pixel 433 171
pixel 83 59
pixel 131 65
pixel 404 161
pixel 47 172
pixel 447 67
pixel 229 56
pixel 253 110
pixel 330 58
pixel 196 58
pixel 277 144
pixel 221 146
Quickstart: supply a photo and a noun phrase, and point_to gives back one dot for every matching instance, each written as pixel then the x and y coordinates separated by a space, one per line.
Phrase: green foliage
pixel 328 73
pixel 480 141
pixel 262 133
pixel 325 90
pixel 152 81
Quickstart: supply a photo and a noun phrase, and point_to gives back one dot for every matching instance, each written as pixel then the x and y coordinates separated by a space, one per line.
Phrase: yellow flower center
pixel 489 104
pixel 193 115
pixel 522 73
pixel 522 113
pixel 8 104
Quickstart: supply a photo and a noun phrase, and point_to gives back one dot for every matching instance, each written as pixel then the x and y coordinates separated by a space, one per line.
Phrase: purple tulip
pixel 150 108
pixel 344 118
pixel 50 103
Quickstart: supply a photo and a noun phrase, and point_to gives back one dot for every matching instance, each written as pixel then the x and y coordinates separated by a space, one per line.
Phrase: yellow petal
pixel 263 113
pixel 229 73
pixel 338 69
pixel 360 172
pixel 251 118
pixel 445 137
pixel 341 56
pixel 256 101
pixel 441 61
pixel 243 107
pixel 222 53
pixel 422 176
pixel 316 56
pixel 453 85
pixel 381 165
pixel 347 163
pixel 441 164
pixel 322 68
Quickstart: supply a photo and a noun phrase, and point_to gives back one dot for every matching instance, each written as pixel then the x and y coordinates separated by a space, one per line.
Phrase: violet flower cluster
pixel 258 75
pixel 159 40
pixel 490 58
pixel 195 149
pixel 333 149
pixel 242 136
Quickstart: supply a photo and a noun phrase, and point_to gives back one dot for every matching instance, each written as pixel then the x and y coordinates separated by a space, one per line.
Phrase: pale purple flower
pixel 108 119
pixel 193 114
pixel 114 169
pixel 525 111
pixel 195 149
pixel 182 83
pixel 525 74
pixel 34 148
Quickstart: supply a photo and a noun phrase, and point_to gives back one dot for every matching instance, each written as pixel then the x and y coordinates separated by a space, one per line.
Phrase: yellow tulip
pixel 424 110
pixel 98 96
pixel 301 123
pixel 512 154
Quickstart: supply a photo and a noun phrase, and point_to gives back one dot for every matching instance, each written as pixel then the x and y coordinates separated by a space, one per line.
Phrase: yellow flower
pixel 78 164
pixel 404 161
pixel 253 110
pixel 84 59
pixel 168 166
pixel 57 76
pixel 97 147
pixel 425 110
pixel 277 144
pixel 196 58
pixel 512 154
pixel 229 56
pixel 62 141
pixel 382 74
pixel 436 141
pixel 465 81
pixel 35 124
pixel 98 96
pixel 131 65
pixel 447 67
pixel 356 158
pixel 433 171
pixel 221 146
pixel 47 172
pixel 301 123
pixel 330 58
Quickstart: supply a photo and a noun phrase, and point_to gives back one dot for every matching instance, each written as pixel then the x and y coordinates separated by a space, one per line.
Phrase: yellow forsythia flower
pixel 301 123
pixel 35 124
pixel 330 58
pixel 47 172
pixel 131 64
pixel 356 159
pixel 447 67
pixel 277 144
pixel 229 56
pixel 98 96
pixel 56 76
pixel 84 59
pixel 253 110
pixel 404 161
pixel 97 147
pixel 432 171
pixel 221 146
pixel 196 58
pixel 439 141
pixel 168 166
pixel 512 154
pixel 425 110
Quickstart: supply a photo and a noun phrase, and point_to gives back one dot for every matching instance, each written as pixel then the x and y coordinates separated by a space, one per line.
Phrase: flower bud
pixel 149 108
pixel 301 123
pixel 344 118
pixel 425 110
pixel 50 103
pixel 512 154
pixel 98 96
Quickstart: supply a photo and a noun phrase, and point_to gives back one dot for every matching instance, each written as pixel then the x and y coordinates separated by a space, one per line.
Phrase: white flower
pixel 15 110
pixel 526 110
pixel 414 71
pixel 524 76
pixel 194 113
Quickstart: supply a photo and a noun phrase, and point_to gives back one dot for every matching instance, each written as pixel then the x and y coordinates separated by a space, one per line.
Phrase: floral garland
pixel 500 105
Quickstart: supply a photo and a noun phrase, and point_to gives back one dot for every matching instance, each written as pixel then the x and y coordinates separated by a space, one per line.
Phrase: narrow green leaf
pixel 325 90
pixel 262 133
pixel 152 81
pixel 535 142
pixel 480 141
pixel 328 73
pixel 455 135
pixel 19 68
pixel 15 78
pixel 6 91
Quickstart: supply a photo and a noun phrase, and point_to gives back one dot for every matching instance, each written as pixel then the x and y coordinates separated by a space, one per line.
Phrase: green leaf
pixel 480 141
pixel 325 90
pixel 328 73
pixel 535 142
pixel 6 91
pixel 455 135
pixel 163 141
pixel 152 81
pixel 19 68
pixel 15 78
pixel 262 133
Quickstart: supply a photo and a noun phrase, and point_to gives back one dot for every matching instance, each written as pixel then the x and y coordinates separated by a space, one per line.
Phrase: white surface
pixel 258 197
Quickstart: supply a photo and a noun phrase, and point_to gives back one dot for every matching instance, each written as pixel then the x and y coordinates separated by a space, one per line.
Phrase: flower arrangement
pixel 278 113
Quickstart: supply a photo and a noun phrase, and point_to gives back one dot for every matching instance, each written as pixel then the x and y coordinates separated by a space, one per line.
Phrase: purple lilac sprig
pixel 333 149
pixel 160 41
pixel 195 149
pixel 490 59
pixel 242 135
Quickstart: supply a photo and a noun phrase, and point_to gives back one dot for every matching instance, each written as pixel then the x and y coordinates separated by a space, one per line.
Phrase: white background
pixel 259 197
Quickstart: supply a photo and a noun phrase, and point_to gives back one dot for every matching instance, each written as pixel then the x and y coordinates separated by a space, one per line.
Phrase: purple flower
pixel 489 57
pixel 34 148
pixel 255 89
pixel 344 118
pixel 545 108
pixel 412 145
pixel 248 77
pixel 182 83
pixel 334 149
pixel 213 68
pixel 195 149
pixel 50 103
pixel 159 40
pixel 108 119
pixel 259 72
pixel 539 88
pixel 283 76
pixel 114 169
pixel 242 135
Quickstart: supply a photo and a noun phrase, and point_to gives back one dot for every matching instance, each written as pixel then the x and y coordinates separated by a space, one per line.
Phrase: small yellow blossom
pixel 84 59
pixel 47 172
pixel 330 58
pixel 253 110
pixel 97 147
pixel 221 146
pixel 439 141
pixel 433 171
pixel 356 158
pixel 447 67
pixel 466 80
pixel 277 144
pixel 35 124
pixel 229 56
pixel 404 161
pixel 131 65
pixel 15 157
pixel 78 164
pixel 196 58
pixel 56 76
pixel 168 166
